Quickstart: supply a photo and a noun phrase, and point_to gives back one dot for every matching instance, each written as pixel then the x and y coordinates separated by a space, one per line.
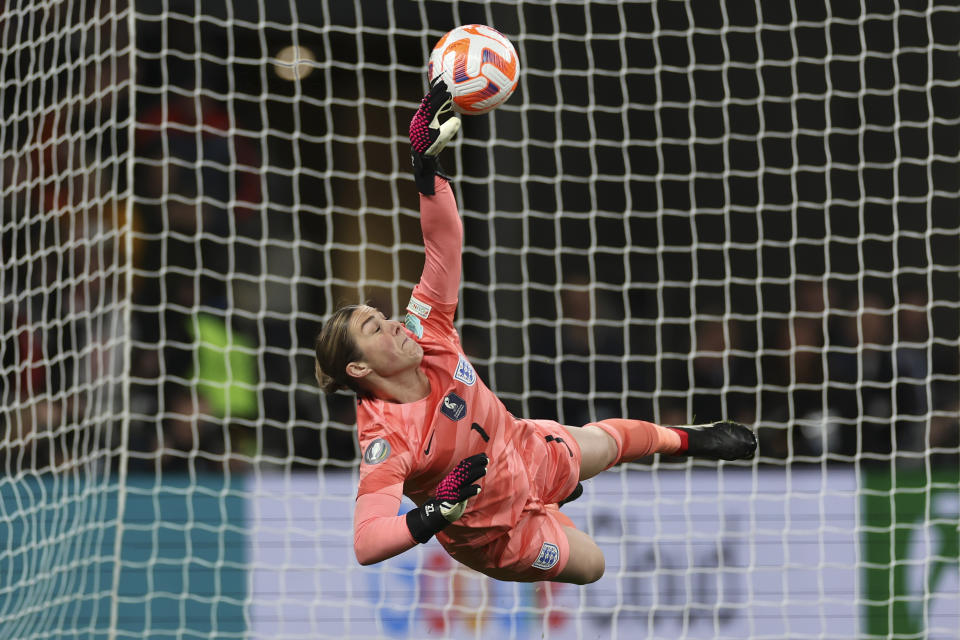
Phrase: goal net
pixel 64 313
pixel 686 213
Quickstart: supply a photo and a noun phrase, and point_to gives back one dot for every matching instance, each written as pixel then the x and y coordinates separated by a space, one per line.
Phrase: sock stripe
pixel 684 439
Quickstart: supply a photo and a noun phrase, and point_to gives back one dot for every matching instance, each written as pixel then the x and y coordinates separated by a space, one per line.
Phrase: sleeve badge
pixel 377 451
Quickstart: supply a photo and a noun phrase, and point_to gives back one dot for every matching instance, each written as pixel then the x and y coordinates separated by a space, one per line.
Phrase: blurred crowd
pixel 832 380
pixel 220 367
pixel 234 255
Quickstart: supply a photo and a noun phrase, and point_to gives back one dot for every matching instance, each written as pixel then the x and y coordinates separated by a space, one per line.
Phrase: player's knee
pixel 590 567
pixel 602 445
pixel 611 450
pixel 585 563
pixel 596 571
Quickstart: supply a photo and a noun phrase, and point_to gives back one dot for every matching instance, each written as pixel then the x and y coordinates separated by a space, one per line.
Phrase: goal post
pixel 686 212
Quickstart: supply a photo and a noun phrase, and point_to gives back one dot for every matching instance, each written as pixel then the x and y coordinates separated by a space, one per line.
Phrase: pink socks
pixel 637 438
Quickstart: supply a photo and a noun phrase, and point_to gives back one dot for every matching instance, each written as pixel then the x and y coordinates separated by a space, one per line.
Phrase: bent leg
pixel 597 449
pixel 586 563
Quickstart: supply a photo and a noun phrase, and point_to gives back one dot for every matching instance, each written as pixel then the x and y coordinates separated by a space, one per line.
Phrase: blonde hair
pixel 335 349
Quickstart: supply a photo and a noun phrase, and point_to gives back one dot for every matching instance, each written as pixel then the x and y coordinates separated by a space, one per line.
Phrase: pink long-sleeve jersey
pixel 409 448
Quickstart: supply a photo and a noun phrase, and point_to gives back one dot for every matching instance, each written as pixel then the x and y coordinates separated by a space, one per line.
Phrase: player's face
pixel 386 345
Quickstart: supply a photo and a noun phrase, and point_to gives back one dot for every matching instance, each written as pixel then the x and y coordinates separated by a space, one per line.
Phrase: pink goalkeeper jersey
pixel 410 447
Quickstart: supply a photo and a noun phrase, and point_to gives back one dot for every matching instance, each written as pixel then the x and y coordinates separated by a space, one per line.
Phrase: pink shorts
pixel 536 548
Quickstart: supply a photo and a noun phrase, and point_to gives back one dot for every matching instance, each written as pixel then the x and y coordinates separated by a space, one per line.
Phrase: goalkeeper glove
pixel 428 136
pixel 725 440
pixel 451 499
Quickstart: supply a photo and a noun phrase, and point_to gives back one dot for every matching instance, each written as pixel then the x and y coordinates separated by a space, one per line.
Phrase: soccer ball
pixel 479 66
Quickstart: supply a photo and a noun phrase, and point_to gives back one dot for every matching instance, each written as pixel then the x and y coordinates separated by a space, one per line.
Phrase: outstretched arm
pixel 432 127
pixel 443 243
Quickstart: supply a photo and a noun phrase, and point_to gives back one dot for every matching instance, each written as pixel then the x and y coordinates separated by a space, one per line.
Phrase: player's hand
pixel 458 487
pixel 450 502
pixel 725 440
pixel 432 127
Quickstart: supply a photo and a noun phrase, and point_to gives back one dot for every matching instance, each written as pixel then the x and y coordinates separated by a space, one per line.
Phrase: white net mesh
pixel 64 157
pixel 686 213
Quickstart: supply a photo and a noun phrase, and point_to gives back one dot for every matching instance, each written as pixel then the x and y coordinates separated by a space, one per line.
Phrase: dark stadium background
pixel 805 199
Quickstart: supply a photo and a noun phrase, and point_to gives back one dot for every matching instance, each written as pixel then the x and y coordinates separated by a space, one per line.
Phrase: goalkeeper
pixel 488 485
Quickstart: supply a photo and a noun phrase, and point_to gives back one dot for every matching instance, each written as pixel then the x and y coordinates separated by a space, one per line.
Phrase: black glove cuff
pixel 425 168
pixel 423 522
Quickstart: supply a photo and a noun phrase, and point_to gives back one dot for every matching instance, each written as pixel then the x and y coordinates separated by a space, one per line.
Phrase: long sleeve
pixel 443 243
pixel 378 532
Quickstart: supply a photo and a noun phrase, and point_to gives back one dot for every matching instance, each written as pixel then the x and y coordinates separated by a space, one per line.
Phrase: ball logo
pixel 454 407
pixel 549 556
pixel 377 451
pixel 465 372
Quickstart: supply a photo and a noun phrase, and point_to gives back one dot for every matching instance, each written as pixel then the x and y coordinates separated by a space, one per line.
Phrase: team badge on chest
pixel 465 372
